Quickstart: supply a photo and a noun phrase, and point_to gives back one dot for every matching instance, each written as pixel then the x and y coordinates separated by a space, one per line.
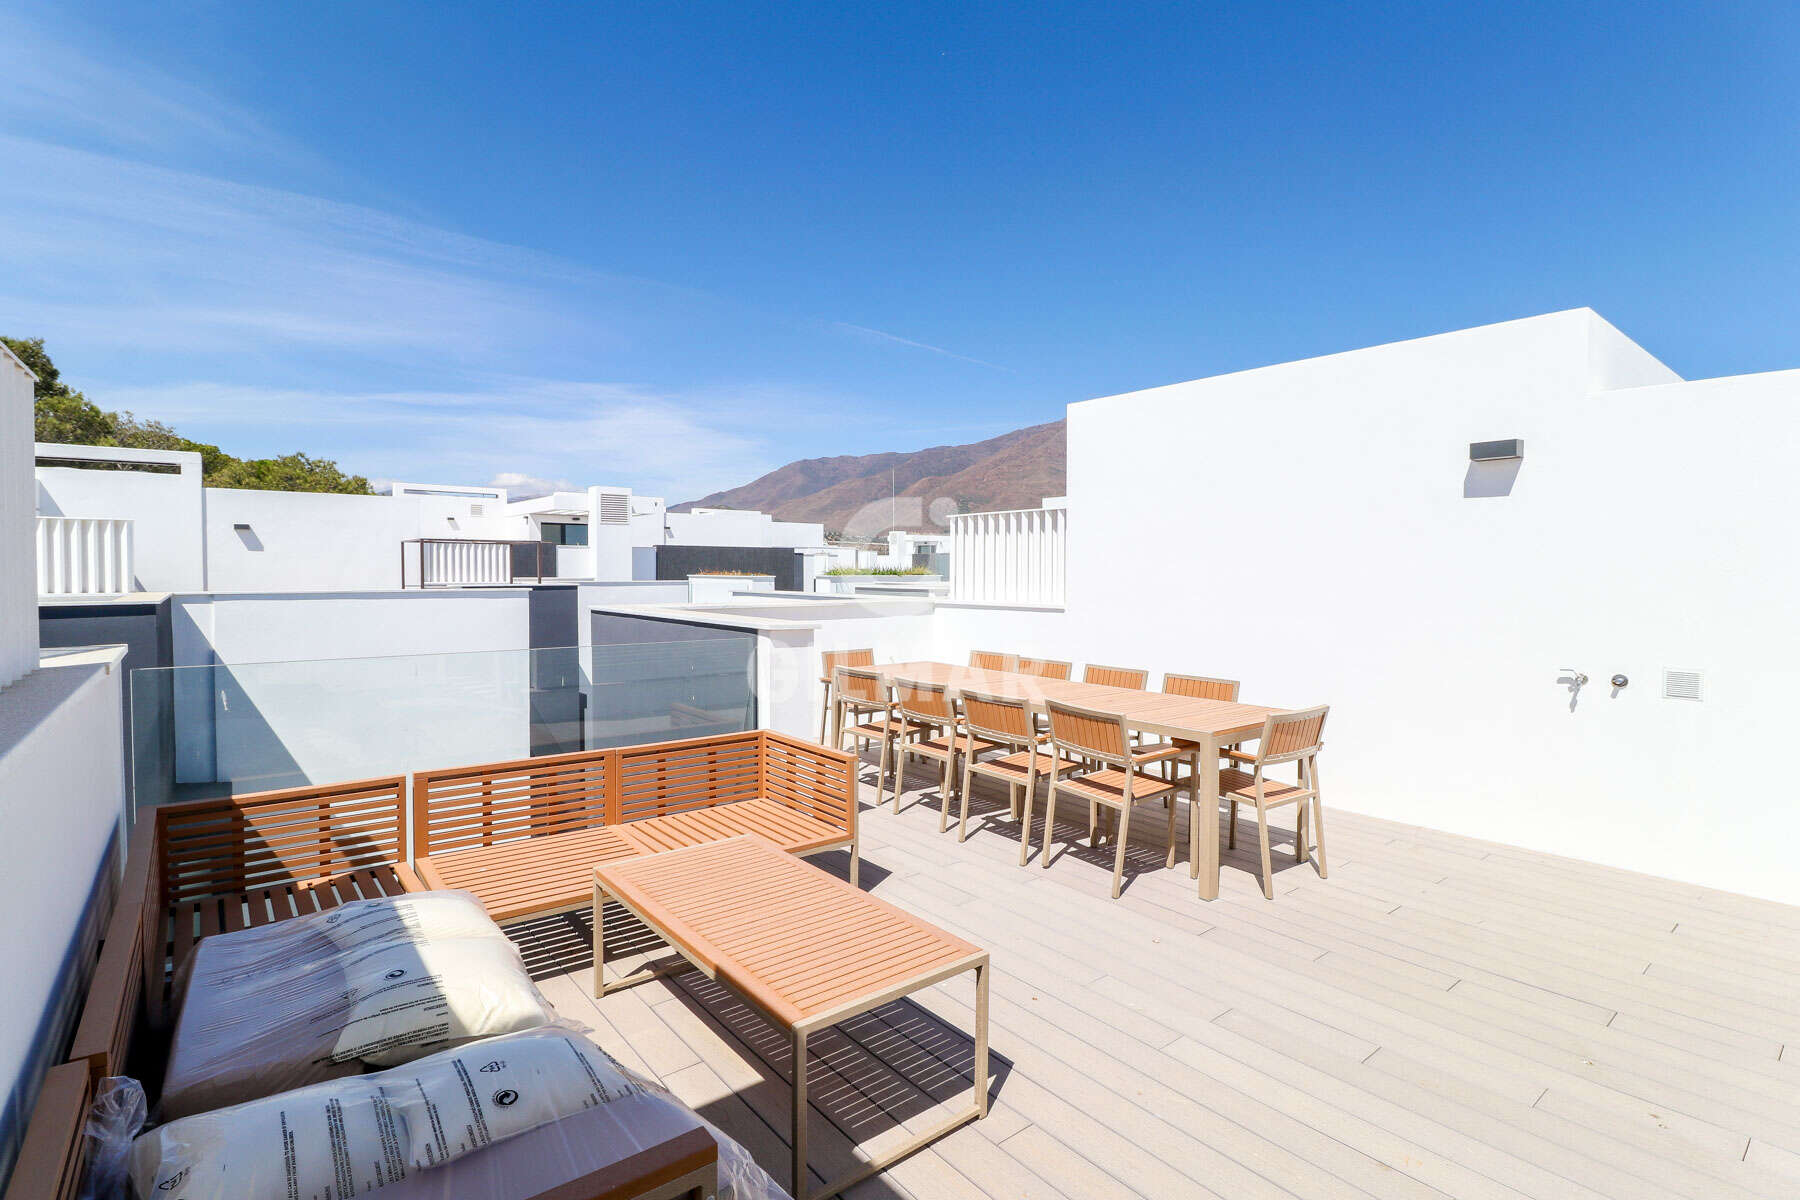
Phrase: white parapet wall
pixel 1318 530
pixel 1016 557
pixel 83 556
pixel 18 604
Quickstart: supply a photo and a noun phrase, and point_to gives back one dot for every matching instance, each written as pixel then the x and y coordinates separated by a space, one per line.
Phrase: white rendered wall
pixel 1305 528
pixel 61 801
pixel 18 550
pixel 318 541
pixel 345 685
pixel 165 510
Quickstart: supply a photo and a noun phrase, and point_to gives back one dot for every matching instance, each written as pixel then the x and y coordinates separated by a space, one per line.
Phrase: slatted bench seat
pixel 209 866
pixel 525 836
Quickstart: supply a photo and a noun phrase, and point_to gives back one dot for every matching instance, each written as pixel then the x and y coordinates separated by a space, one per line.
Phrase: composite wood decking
pixel 1443 1017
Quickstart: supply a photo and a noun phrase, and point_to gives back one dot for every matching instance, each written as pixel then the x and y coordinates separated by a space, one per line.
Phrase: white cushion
pixel 350 1136
pixel 267 1011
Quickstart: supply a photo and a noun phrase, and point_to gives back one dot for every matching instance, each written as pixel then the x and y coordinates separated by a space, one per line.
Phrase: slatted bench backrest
pixel 459 807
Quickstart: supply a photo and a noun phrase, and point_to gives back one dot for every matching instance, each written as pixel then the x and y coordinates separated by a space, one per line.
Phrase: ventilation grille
pixel 1683 685
pixel 615 508
pixel 475 510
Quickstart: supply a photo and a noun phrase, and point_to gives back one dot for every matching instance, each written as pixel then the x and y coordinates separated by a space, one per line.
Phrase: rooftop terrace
pixel 1441 1017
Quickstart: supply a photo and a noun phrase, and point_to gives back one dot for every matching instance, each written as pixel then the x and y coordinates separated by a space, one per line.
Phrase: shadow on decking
pixel 874 1077
pixel 990 815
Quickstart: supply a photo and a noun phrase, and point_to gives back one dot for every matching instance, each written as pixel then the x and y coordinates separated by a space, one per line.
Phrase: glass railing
pixel 212 730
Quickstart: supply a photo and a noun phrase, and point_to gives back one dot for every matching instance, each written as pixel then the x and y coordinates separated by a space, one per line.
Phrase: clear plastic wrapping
pixel 506 1118
pixel 373 983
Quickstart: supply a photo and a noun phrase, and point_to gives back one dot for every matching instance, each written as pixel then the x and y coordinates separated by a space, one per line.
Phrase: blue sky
pixel 675 245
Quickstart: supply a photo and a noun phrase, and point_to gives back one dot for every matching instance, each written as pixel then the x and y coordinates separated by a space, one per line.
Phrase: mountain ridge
pixel 866 494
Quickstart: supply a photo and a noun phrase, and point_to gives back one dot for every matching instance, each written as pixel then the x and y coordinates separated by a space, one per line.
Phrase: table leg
pixel 599 942
pixel 981 1040
pixel 799 1176
pixel 1207 803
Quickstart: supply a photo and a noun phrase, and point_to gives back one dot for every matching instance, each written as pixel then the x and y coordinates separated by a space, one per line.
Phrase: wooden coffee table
pixel 802 946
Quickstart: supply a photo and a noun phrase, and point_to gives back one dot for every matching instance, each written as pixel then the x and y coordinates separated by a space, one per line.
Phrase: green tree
pixel 63 414
pixel 289 473
pixel 154 435
pixel 66 416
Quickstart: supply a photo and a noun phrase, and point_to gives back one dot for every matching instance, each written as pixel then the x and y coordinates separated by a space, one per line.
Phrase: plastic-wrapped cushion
pixel 535 1111
pixel 268 1011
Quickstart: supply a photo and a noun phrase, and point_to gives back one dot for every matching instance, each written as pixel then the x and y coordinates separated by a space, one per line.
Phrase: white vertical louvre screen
pixel 454 562
pixel 1014 557
pixel 83 556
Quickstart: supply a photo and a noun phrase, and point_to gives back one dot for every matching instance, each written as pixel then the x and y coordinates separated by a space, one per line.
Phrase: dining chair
pixel 829 662
pixel 931 732
pixel 1294 737
pixel 1200 687
pixel 863 692
pixel 993 660
pixel 1116 783
pixel 1045 668
pixel 1119 677
pixel 1006 724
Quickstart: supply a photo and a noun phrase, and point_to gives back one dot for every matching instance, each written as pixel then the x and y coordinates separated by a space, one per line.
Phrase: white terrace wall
pixel 18 600
pixel 1316 530
pixel 299 541
pixel 165 510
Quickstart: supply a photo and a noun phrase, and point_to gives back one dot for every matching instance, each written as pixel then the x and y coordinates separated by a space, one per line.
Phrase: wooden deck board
pixel 1443 1017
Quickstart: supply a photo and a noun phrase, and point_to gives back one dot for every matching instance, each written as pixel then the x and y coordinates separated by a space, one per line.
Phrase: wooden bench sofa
pixel 526 836
pixel 509 832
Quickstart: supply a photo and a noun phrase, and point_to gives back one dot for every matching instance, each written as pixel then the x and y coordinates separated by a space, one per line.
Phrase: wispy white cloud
pixel 270 318
pixel 877 335
pixel 587 433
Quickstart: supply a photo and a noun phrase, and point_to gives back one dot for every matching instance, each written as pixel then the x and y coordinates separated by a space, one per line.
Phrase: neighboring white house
pixel 145 516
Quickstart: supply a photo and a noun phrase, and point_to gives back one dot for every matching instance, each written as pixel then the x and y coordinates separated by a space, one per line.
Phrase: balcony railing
pixel 473 562
pixel 83 556
pixel 1017 557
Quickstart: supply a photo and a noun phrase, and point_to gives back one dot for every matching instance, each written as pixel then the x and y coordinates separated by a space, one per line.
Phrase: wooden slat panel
pixel 490 803
pixel 797 941
pixel 53 1156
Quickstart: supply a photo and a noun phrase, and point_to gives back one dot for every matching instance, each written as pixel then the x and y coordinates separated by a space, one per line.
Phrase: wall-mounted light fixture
pixel 1499 451
pixel 241 527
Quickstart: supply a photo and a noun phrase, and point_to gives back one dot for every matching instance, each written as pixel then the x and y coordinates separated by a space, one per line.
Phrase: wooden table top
pixel 1152 712
pixel 801 944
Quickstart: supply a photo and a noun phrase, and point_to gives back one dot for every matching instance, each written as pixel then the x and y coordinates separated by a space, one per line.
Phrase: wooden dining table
pixel 1209 725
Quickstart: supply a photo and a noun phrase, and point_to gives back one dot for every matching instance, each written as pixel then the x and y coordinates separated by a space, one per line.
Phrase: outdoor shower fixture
pixel 1498 451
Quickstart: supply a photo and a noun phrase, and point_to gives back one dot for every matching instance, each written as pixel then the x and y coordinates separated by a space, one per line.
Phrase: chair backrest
pixel 993 660
pixel 927 702
pixel 1119 677
pixel 1291 735
pixel 831 660
pixel 1200 687
pixel 998 718
pixel 862 686
pixel 1045 668
pixel 1088 732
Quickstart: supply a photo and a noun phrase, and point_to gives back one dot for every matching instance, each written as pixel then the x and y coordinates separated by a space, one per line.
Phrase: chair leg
pixel 1093 824
pixel 1300 832
pixel 1318 818
pixel 855 862
pixel 887 745
pixel 1049 823
pixel 1025 819
pixel 825 712
pixel 962 821
pixel 1119 853
pixel 1268 869
pixel 1171 862
pixel 944 795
